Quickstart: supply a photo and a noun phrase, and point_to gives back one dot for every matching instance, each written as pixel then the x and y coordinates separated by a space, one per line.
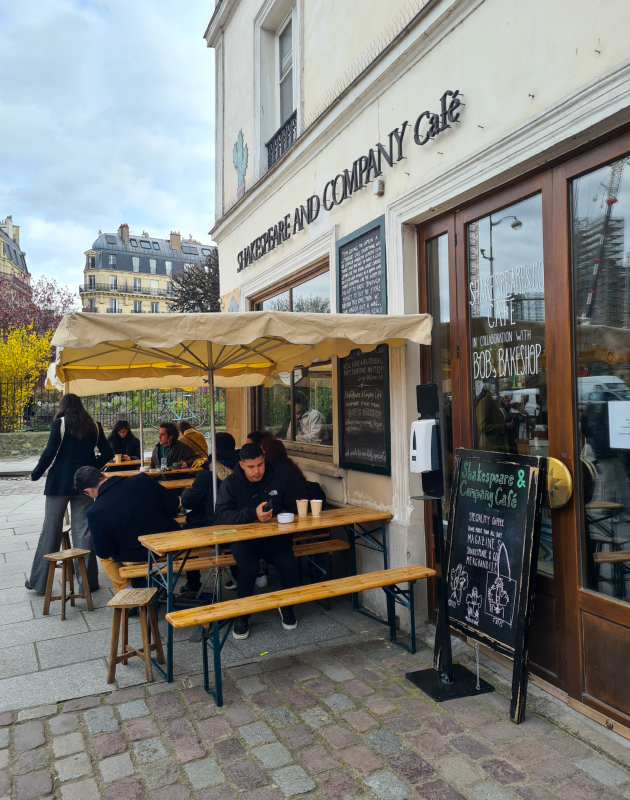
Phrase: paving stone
pixel 502 732
pixel 196 695
pixel 149 750
pixel 339 702
pixel 108 745
pixel 247 775
pixel 297 698
pixel 263 793
pixel 251 685
pixel 528 750
pixel 304 673
pixel 101 720
pixel 161 773
pixel 35 784
pixel 280 717
pixel 264 699
pixel 28 736
pixel 339 785
pixel 161 687
pixel 459 771
pixel 387 787
pixel 4 738
pixel 31 761
pixel 80 704
pixel 317 759
pixel 442 725
pixel 204 773
pixel 603 772
pixel 490 791
pixel 361 758
pixel 257 733
pixel 316 717
pixel 64 723
pixel 582 788
pixel 336 671
pixel 438 790
pixel 229 749
pixel 6 719
pixel 321 687
pixel 550 771
pixel 292 781
pixel 476 718
pixel 280 680
pixel 116 767
pixel 535 791
pixel 141 728
pixel 430 745
pixel 471 747
pixel 298 736
pixel 360 720
pixel 128 789
pixel 244 670
pixel 4 758
pixel 567 746
pixel 393 690
pixel 378 704
pixel 179 729
pixel 133 709
pixel 68 744
pixel 204 710
pixel 125 696
pixel 339 737
pixel 37 713
pixel 400 722
pixel 166 706
pixel 73 767
pixel 188 750
pixel 411 767
pixel 240 715
pixel 273 755
pixel 82 790
pixel 371 676
pixel 502 772
pixel 358 688
pixel 216 728
pixel 418 708
pixel 383 742
pixel 176 792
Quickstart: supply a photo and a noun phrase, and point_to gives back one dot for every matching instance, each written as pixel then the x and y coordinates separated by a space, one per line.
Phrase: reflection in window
pixel 313 296
pixel 601 284
pixel 280 302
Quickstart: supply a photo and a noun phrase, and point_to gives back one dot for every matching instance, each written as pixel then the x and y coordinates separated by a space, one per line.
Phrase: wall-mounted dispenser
pixel 423 446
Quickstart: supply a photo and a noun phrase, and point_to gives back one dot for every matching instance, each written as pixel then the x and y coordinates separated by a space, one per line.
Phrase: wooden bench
pixel 210 617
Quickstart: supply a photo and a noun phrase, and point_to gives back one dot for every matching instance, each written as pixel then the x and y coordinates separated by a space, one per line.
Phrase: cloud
pixel 108 117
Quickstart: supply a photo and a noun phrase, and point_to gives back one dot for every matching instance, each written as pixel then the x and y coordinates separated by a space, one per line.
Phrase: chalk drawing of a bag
pixel 501 591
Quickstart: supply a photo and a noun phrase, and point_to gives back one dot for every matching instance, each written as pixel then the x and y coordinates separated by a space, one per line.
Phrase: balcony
pixel 114 310
pixel 88 310
pixel 282 139
pixel 124 288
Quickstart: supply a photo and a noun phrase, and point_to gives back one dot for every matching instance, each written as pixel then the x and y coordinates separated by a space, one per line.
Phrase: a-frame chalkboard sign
pixel 493 535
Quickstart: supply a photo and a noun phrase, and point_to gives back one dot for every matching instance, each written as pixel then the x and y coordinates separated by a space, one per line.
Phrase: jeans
pixel 50 540
pixel 276 550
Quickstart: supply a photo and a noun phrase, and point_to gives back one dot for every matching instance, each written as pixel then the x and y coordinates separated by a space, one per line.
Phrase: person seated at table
pixel 170 448
pixel 124 509
pixel 241 500
pixel 258 437
pixel 193 438
pixel 310 425
pixel 123 442
pixel 286 468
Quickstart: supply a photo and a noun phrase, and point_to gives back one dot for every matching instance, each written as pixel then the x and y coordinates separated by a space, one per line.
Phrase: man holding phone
pixel 253 493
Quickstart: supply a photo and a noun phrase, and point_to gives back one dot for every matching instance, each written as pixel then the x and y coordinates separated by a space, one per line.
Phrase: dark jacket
pixel 199 498
pixel 68 455
pixel 179 452
pixel 129 446
pixel 292 478
pixel 127 508
pixel 238 498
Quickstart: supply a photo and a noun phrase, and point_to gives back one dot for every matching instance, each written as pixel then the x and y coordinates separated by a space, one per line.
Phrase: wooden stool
pixel 63 561
pixel 121 603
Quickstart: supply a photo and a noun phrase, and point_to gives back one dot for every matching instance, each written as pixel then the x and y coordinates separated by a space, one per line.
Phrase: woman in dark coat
pixel 301 489
pixel 122 441
pixel 73 438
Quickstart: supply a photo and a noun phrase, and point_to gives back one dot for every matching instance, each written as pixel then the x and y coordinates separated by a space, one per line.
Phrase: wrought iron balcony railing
pixel 282 139
pixel 124 288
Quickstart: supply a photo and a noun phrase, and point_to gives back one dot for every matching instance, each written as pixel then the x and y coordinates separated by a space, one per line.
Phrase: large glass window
pixel 136 263
pixel 152 266
pixel 298 406
pixel 600 227
pixel 285 71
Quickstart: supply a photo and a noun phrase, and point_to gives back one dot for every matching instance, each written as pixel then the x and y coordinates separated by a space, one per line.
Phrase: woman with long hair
pixel 74 435
pixel 276 455
pixel 123 442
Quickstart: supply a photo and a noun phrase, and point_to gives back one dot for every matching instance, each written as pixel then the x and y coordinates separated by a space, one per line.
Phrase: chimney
pixel 176 241
pixel 123 232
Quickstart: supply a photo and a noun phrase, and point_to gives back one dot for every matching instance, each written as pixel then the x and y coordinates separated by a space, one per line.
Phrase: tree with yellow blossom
pixel 24 354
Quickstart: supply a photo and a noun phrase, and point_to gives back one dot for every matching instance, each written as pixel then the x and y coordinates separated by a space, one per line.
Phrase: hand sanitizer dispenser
pixel 423 446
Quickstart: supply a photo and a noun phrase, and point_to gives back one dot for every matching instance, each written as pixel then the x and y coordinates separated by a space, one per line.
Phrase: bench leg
pixel 86 585
pixel 63 590
pixel 146 645
pixel 156 633
pixel 49 587
pixel 353 565
pixel 169 627
pixel 216 654
pixel 113 646
pixel 412 618
pixel 125 635
pixel 204 660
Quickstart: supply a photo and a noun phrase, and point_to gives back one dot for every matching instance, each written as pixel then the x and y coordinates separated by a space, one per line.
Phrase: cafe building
pixel 469 159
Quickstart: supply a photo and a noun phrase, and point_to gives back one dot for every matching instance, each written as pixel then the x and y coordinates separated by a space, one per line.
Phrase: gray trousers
pixel 50 539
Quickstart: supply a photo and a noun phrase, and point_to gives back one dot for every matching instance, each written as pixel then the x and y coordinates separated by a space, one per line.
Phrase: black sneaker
pixel 241 628
pixel 188 587
pixel 230 585
pixel 289 622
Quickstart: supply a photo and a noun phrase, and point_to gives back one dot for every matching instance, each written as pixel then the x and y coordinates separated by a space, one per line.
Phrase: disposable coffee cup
pixel 316 508
pixel 163 463
pixel 118 458
pixel 302 507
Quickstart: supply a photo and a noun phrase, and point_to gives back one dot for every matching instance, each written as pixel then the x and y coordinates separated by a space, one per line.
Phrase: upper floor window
pixel 169 267
pixel 113 282
pixel 156 246
pixel 91 262
pixel 285 70
pixel 145 244
pixel 205 251
pixel 112 262
pixel 169 288
pixel 152 266
pixel 133 242
pixel 136 263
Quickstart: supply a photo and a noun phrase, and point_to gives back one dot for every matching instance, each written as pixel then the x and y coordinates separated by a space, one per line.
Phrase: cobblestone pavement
pixel 337 723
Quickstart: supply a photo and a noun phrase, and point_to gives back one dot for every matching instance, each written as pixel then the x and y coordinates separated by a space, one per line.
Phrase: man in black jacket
pixel 123 509
pixel 242 499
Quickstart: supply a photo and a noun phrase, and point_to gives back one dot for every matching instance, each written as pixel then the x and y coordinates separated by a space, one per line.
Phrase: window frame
pixel 290 18
pixel 153 266
pixel 135 263
pixel 168 265
pixel 155 307
pixel 111 261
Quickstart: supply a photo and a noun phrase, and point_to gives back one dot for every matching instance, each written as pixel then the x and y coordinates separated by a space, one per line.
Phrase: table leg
pixel 353 564
pixel 384 539
pixel 216 653
pixel 169 608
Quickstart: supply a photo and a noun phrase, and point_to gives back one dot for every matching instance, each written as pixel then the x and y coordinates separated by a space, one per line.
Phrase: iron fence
pixel 25 409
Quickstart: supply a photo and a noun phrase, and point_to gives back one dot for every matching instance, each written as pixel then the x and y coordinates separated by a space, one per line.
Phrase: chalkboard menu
pixel 493 532
pixel 364 411
pixel 361 271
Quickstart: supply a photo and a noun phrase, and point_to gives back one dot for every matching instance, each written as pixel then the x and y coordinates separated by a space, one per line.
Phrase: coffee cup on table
pixel 118 458
pixel 302 507
pixel 316 508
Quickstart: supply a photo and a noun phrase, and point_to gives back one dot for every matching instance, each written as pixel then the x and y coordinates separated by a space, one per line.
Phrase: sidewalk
pixel 17 466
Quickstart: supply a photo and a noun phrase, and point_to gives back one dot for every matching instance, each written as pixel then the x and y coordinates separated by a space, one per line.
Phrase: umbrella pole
pixel 213 445
pixel 141 428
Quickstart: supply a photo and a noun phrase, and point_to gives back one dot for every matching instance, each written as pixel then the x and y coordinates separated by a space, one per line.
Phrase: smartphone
pixel 268 506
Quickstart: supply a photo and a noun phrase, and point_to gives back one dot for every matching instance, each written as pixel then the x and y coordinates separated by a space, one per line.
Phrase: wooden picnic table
pixel 133 462
pixel 179 544
pixel 156 473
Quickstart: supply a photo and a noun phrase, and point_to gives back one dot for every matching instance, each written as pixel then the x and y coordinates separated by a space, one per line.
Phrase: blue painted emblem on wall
pixel 233 305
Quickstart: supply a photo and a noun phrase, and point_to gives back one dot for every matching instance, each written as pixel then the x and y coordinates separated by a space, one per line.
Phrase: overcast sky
pixel 106 116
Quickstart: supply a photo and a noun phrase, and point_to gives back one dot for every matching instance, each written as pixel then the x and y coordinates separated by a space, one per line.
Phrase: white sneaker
pixel 261 580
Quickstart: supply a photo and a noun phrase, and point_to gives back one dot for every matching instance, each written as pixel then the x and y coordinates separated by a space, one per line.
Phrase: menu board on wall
pixel 364 436
pixel 493 530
